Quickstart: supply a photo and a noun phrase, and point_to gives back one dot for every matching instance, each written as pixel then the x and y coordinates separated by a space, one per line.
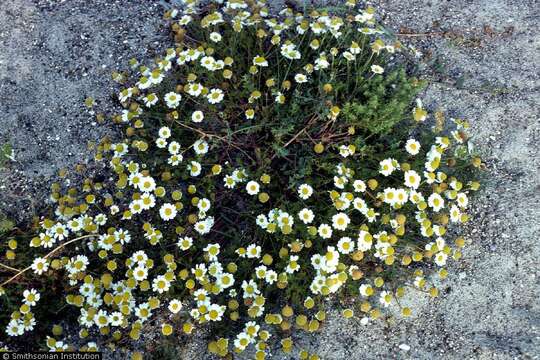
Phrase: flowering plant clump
pixel 270 162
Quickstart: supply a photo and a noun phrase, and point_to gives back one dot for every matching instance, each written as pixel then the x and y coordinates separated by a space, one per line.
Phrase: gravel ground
pixel 52 56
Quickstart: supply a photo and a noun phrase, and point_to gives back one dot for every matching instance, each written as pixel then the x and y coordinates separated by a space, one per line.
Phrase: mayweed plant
pixel 271 164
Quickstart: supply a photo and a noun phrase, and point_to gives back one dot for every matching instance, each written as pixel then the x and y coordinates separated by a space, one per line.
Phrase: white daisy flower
pixel 412 179
pixel 140 273
pixel 194 89
pixel 252 188
pixel 300 78
pixel 306 216
pixel 377 69
pixel 164 132
pixel 194 168
pixel 340 221
pixel 345 245
pixel 197 116
pixel 215 96
pixel 305 191
pixel 324 231
pixel 440 258
pixel 436 202
pixel 387 166
pixel 167 211
pixel 40 265
pixel 200 147
pixel 412 146
pixel 172 99
pixel 359 186
pixel 215 36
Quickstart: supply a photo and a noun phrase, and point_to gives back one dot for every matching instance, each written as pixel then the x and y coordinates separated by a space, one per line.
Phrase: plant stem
pixel 52 252
pixel 9 267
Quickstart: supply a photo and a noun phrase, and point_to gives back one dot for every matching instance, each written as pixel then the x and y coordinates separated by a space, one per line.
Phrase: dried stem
pixel 52 252
pixel 230 143
pixel 9 267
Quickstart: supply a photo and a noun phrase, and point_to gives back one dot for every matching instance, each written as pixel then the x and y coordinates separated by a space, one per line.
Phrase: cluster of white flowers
pixel 158 237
